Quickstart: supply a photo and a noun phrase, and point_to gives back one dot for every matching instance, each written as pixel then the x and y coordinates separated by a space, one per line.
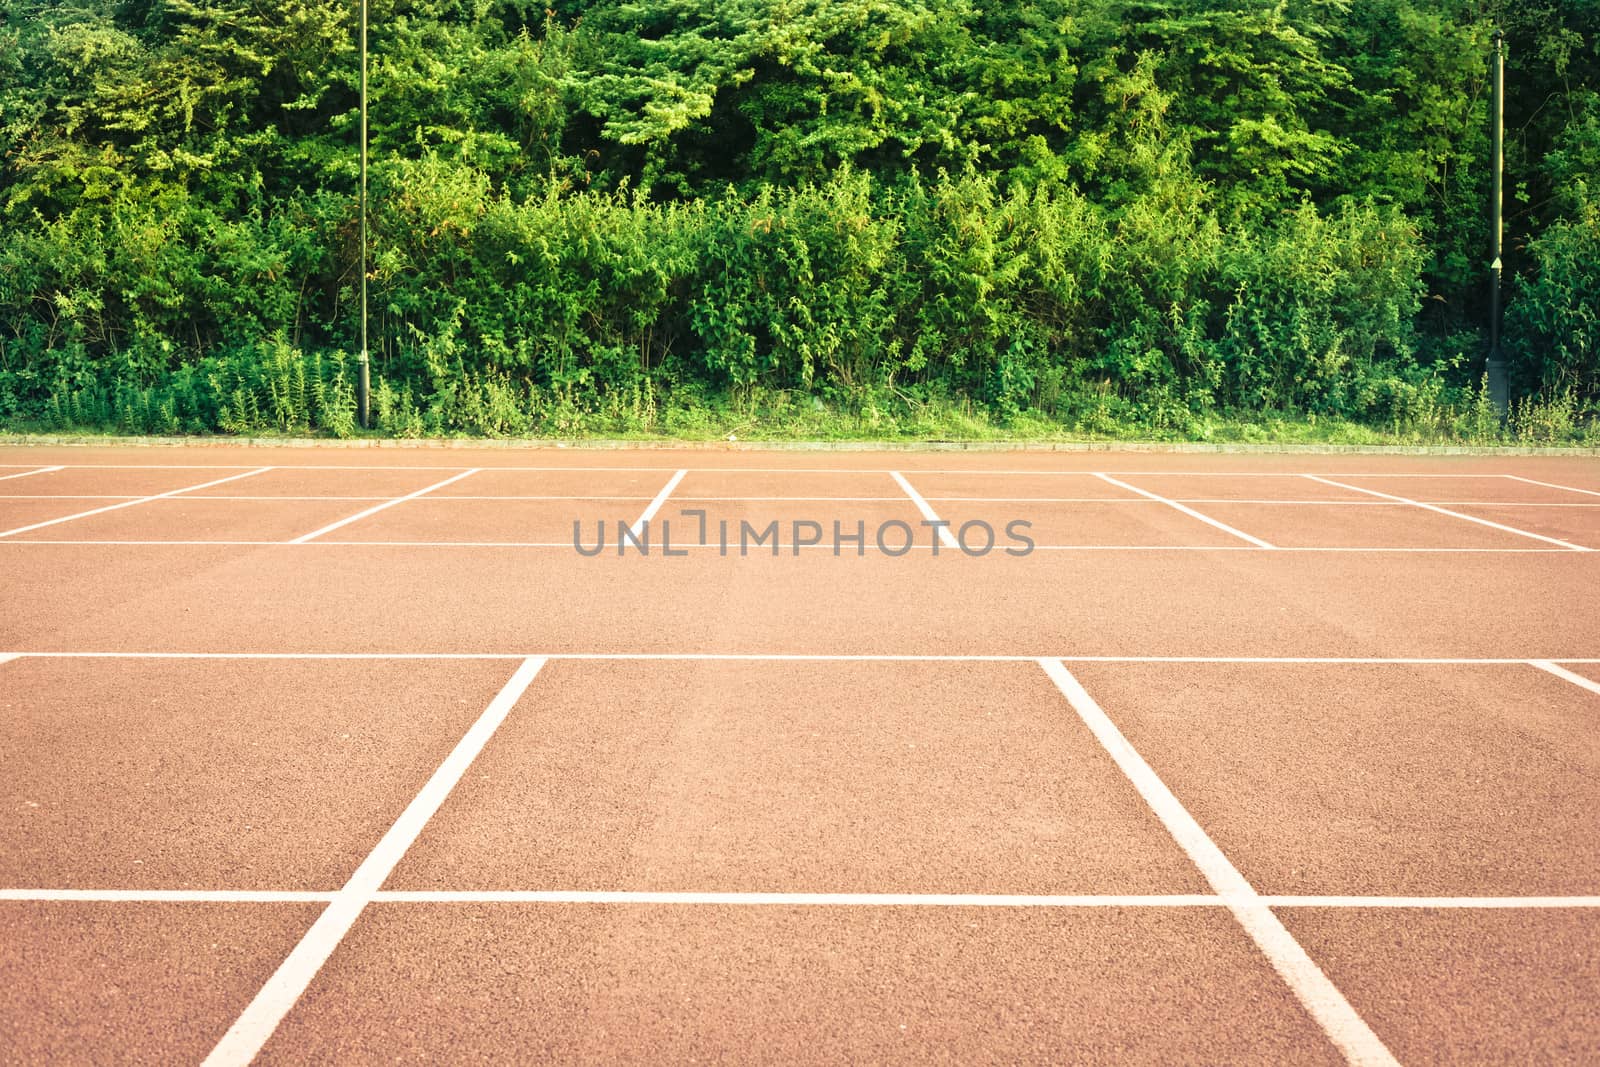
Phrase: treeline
pixel 1083 212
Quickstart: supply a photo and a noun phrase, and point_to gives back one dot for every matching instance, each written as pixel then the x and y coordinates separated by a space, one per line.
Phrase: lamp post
pixel 363 385
pixel 1495 366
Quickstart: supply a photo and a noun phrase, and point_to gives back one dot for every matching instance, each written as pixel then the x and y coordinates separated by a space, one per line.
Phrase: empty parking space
pixel 18 514
pixel 1482 489
pixel 133 982
pixel 1387 779
pixel 1513 985
pixel 1578 524
pixel 756 527
pixel 189 518
pixel 115 595
pixel 481 508
pixel 1142 523
pixel 125 481
pixel 1204 488
pixel 952 486
pixel 1584 480
pixel 1360 526
pixel 780 485
pixel 635 984
pixel 187 774
pixel 340 482
pixel 589 482
pixel 486 521
pixel 795 777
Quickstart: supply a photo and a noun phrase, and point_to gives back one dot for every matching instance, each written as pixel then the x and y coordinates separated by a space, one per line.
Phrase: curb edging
pixel 659 444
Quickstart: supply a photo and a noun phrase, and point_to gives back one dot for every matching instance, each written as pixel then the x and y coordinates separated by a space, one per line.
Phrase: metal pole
pixel 364 385
pixel 1495 366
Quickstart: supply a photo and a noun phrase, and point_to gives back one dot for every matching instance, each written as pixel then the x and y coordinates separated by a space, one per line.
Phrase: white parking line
pixel 1191 512
pixel 296 499
pixel 332 526
pixel 1565 504
pixel 807 900
pixel 27 474
pixel 792 499
pixel 131 503
pixel 1452 514
pixel 963 900
pixel 679 498
pixel 819 657
pixel 166 896
pixel 1446 903
pixel 1422 550
pixel 1561 672
pixel 946 538
pixel 655 504
pixel 261 1017
pixel 1344 1027
pixel 1551 485
pixel 631 497
pixel 1144 501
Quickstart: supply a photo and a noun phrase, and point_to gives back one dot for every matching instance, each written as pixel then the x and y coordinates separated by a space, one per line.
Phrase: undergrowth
pixel 282 391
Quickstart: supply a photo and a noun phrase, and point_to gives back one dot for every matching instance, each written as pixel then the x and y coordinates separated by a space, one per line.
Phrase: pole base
pixel 1499 389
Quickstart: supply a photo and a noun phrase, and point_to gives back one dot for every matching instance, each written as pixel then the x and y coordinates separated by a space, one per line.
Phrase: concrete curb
pixel 606 444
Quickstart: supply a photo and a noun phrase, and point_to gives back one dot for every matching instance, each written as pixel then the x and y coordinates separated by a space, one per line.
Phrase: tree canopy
pixel 1184 205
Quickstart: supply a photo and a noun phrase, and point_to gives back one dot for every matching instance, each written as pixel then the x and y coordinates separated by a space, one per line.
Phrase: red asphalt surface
pixel 275 787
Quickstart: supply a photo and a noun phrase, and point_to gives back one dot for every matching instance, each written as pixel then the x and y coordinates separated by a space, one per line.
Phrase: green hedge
pixel 1032 299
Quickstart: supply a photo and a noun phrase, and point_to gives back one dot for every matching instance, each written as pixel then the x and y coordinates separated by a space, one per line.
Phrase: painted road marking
pixel 1043 472
pixel 138 500
pixel 261 1017
pixel 167 896
pixel 1145 501
pixel 655 504
pixel 1388 503
pixel 7 657
pixel 1452 514
pixel 294 499
pixel 794 499
pixel 946 538
pixel 1491 903
pixel 25 474
pixel 1187 510
pixel 453 497
pixel 1551 485
pixel 531 496
pixel 917 547
pixel 960 900
pixel 302 539
pixel 822 657
pixel 1561 672
pixel 824 900
pixel 1344 1027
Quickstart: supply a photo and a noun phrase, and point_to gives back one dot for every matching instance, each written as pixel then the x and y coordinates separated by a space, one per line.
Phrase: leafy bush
pixel 1554 323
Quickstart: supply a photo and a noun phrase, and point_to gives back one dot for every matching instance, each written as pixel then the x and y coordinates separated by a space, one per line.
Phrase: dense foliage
pixel 1076 210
